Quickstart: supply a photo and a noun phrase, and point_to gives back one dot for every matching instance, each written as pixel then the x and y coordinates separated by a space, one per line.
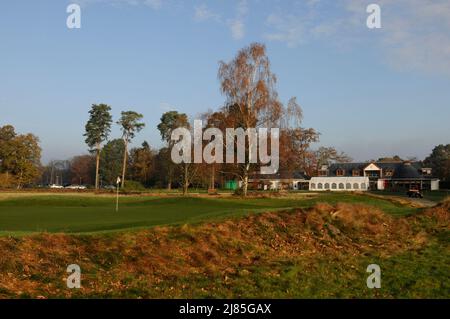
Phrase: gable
pixel 372 167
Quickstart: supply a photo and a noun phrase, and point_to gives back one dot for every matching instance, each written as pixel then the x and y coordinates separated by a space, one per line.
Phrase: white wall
pixel 361 182
pixel 435 185
pixel 380 184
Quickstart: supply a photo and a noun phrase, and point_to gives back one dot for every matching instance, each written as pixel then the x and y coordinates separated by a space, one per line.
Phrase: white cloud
pixel 415 34
pixel 203 13
pixel 237 25
pixel 237 28
pixel 154 4
pixel 288 29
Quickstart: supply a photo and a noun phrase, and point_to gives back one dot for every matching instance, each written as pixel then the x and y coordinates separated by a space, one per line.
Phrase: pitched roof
pixel 400 169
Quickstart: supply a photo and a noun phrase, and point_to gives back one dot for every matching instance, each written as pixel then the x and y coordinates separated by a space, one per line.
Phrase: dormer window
pixel 323 172
pixel 389 173
pixel 340 172
pixel 356 172
pixel 426 171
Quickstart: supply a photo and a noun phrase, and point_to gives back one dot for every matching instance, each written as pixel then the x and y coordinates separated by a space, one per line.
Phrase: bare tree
pixel 130 125
pixel 251 98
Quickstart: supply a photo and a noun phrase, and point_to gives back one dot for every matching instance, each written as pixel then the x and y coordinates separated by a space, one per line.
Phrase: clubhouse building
pixel 396 176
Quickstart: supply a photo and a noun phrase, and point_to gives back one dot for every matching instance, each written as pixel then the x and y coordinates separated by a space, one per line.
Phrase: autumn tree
pixel 27 153
pixel 439 161
pixel 329 155
pixel 20 156
pixel 98 128
pixel 7 135
pixel 112 153
pixel 251 99
pixel 213 120
pixel 142 163
pixel 130 124
pixel 82 170
pixel 295 141
pixel 169 122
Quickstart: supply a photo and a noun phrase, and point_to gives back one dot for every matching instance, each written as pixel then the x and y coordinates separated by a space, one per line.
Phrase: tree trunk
pixel 124 168
pixel 19 183
pixel 169 182
pixel 97 166
pixel 186 180
pixel 245 180
pixel 213 178
pixel 245 185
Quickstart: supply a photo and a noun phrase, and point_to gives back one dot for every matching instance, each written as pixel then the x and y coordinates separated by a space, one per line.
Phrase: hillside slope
pixel 318 252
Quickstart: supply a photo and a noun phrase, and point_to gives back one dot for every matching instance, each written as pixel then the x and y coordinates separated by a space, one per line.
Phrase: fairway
pixel 87 214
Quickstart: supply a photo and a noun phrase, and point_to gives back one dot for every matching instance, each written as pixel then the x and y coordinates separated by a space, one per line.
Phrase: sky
pixel 369 92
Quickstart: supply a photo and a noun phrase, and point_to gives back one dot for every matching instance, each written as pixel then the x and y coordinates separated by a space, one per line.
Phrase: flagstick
pixel 117 199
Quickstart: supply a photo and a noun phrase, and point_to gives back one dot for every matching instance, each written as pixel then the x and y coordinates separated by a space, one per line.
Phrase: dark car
pixel 414 193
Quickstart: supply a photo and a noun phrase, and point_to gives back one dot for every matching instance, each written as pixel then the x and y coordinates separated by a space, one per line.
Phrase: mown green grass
pixel 88 214
pixel 434 196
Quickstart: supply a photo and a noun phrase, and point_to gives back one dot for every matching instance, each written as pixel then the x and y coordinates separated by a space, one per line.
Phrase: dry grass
pixel 35 266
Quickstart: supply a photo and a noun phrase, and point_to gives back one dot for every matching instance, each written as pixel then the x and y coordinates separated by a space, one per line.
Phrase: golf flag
pixel 117 197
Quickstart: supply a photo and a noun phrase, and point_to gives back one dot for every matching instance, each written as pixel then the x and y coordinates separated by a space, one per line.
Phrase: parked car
pixel 109 187
pixel 54 186
pixel 414 192
pixel 76 187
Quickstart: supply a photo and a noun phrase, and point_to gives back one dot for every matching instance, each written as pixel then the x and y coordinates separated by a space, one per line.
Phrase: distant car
pixel 414 193
pixel 54 186
pixel 76 187
pixel 110 187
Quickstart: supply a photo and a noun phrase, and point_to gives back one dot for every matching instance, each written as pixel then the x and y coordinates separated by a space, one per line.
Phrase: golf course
pixel 78 213
pixel 297 245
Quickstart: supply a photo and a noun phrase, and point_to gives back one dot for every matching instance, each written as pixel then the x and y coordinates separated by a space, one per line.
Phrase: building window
pixel 320 186
pixel 323 173
pixel 327 186
pixel 373 173
pixel 313 186
pixel 340 172
pixel 333 186
pixel 363 185
pixel 355 186
pixel 348 186
pixel 356 172
pixel 341 185
pixel 389 173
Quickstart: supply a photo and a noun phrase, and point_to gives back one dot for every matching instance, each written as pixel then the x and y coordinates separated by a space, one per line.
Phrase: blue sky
pixel 369 92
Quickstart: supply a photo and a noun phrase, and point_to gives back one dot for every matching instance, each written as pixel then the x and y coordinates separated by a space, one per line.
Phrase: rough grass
pixel 322 251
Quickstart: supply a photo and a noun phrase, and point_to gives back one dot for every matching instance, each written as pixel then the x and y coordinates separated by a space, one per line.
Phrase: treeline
pixel 251 101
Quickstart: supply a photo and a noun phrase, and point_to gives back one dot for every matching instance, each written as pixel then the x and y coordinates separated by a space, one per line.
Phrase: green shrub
pixel 133 186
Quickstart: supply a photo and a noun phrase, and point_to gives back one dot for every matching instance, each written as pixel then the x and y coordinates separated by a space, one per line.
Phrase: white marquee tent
pixel 358 183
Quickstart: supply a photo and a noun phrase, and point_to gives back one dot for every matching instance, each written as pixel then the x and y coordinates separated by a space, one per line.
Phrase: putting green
pixel 87 214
